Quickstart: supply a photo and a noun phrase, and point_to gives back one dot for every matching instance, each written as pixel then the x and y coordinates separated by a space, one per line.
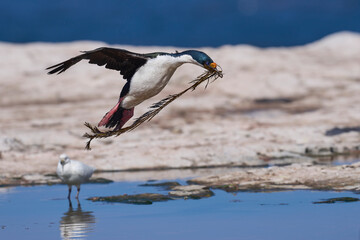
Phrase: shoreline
pixel 273 103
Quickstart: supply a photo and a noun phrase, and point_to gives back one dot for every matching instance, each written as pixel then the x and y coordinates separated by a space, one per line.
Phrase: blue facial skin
pixel 198 56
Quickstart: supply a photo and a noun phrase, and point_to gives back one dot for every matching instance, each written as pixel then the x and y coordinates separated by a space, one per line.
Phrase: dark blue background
pixel 186 23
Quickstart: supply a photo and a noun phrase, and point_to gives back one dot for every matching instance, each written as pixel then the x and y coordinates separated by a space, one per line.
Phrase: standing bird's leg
pixel 70 203
pixel 78 204
pixel 78 191
pixel 69 191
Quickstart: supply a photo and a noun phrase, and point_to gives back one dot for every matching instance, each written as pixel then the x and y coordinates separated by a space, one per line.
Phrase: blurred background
pixel 186 23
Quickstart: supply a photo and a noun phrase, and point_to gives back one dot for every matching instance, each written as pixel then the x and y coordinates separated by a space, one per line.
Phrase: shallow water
pixel 43 212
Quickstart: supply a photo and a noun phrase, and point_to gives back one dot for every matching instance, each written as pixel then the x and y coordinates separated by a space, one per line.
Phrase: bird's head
pixel 201 59
pixel 64 159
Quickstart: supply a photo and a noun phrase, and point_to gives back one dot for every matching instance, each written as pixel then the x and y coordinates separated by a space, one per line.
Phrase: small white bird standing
pixel 73 172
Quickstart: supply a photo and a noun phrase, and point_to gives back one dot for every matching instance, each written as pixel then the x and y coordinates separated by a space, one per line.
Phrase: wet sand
pixel 274 105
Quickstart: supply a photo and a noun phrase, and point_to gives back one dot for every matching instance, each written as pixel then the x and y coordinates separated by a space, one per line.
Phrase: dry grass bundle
pixel 211 74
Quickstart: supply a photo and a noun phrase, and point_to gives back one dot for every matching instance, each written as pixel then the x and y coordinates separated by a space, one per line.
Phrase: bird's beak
pixel 62 162
pixel 213 67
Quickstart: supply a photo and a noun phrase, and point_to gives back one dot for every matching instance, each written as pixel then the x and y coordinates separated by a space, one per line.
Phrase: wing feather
pixel 116 59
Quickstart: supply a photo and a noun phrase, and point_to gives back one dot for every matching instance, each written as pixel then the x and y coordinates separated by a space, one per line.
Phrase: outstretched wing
pixel 117 59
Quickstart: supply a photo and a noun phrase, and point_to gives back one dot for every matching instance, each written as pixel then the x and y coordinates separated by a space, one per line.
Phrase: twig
pixel 154 109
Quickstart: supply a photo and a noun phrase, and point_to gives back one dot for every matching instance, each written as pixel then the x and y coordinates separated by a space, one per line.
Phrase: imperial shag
pixel 146 75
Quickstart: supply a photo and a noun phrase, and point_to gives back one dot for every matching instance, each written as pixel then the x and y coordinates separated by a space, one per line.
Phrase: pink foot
pixel 126 115
pixel 108 115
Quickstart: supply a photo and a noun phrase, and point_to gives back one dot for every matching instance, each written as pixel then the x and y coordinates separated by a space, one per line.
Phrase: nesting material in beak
pixel 214 72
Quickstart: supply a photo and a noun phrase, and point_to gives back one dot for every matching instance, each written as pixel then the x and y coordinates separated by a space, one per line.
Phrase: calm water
pixel 43 212
pixel 186 23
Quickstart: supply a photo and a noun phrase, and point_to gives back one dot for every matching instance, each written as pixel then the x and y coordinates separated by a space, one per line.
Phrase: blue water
pixel 43 212
pixel 186 23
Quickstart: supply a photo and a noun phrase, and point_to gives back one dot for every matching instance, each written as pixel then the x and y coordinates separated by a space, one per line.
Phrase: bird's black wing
pixel 117 59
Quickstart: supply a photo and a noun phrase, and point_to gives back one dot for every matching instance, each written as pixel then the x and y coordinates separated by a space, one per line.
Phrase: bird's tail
pixel 116 117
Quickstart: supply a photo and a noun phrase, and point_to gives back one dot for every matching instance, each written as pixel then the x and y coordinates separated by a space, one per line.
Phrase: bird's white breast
pixel 151 78
pixel 74 172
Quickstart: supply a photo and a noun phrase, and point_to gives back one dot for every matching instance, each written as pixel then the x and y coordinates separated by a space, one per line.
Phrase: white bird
pixel 73 172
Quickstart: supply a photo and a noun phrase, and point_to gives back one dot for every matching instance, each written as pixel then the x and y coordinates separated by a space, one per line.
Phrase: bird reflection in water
pixel 76 223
